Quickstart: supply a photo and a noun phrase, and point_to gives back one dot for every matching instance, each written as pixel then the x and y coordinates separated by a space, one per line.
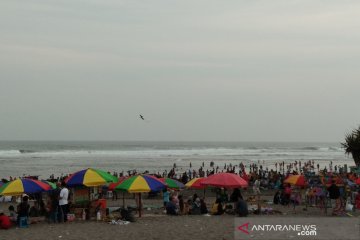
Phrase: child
pixel 12 215
pixel 5 222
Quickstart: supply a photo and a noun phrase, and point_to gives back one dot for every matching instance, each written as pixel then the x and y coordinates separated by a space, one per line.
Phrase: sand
pixel 154 224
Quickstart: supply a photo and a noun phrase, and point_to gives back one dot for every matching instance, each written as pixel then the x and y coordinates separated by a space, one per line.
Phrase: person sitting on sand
pixel 195 208
pixel 181 204
pixel 217 208
pixel 171 208
pixel 5 222
pixel 203 208
pixel 242 208
pixel 12 214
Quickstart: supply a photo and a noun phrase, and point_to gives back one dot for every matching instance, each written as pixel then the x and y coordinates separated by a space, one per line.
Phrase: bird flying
pixel 141 116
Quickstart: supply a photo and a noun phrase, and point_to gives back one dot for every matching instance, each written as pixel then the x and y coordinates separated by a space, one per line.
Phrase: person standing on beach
pixel 166 197
pixel 334 194
pixel 63 201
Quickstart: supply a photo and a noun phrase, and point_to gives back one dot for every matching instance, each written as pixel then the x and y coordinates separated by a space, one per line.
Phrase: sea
pixel 42 158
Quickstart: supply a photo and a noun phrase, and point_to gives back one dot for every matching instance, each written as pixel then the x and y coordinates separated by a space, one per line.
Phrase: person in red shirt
pixel 5 222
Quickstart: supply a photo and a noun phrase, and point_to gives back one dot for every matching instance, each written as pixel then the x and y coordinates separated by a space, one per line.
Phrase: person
pixel 195 208
pixel 277 198
pixel 181 204
pixel 23 208
pixel 236 195
pixel 286 194
pixel 53 206
pixel 63 201
pixel 203 208
pixel 166 197
pixel 242 208
pixel 12 214
pixel 256 186
pixel 357 200
pixel 217 208
pixel 334 194
pixel 5 222
pixel 295 199
pixel 171 208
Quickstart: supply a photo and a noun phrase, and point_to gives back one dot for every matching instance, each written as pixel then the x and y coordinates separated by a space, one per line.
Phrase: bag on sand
pixel 349 207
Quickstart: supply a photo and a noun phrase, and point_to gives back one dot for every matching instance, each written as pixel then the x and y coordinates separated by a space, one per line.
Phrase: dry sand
pixel 153 225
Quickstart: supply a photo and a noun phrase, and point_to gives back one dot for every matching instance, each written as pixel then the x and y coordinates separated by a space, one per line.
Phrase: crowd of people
pixel 55 210
pixel 321 187
pixel 175 204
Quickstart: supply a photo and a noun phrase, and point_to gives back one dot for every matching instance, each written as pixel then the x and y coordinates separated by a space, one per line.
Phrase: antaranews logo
pixel 300 229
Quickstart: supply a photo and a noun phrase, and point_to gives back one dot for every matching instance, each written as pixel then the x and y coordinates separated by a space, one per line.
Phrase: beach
pixel 156 225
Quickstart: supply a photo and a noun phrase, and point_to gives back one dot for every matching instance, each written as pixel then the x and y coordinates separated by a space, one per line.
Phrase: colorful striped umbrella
pixel 172 183
pixel 225 180
pixel 112 186
pixel 23 185
pixel 141 183
pixel 195 183
pixel 297 180
pixel 52 185
pixel 90 178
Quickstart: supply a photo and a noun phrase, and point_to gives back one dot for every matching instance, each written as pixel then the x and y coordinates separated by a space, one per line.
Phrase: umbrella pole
pixel 140 205
pixel 204 192
pixel 258 202
pixel 123 199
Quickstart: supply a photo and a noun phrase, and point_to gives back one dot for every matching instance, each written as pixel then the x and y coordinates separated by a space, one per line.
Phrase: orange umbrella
pixel 297 180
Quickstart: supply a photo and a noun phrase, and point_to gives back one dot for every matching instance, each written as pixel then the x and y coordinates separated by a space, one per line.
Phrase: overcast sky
pixel 196 70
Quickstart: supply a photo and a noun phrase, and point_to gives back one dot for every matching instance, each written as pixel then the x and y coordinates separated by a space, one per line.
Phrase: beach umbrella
pixel 23 185
pixel 113 185
pixel 90 177
pixel 225 180
pixel 139 184
pixel 52 184
pixel 172 183
pixel 297 180
pixel 195 183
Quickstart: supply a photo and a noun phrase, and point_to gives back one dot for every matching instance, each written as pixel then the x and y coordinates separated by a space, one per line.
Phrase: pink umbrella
pixel 225 180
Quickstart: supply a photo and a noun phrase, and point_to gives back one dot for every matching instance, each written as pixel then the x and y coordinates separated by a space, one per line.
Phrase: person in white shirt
pixel 63 201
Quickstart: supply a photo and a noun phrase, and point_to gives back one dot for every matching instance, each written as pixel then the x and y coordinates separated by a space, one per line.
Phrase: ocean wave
pixel 310 148
pixel 26 151
pixel 173 152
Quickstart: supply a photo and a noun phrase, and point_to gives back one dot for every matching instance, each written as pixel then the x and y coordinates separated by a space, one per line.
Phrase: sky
pixel 201 70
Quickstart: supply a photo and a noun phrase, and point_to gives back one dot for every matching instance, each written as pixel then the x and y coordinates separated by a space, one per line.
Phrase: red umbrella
pixel 226 180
